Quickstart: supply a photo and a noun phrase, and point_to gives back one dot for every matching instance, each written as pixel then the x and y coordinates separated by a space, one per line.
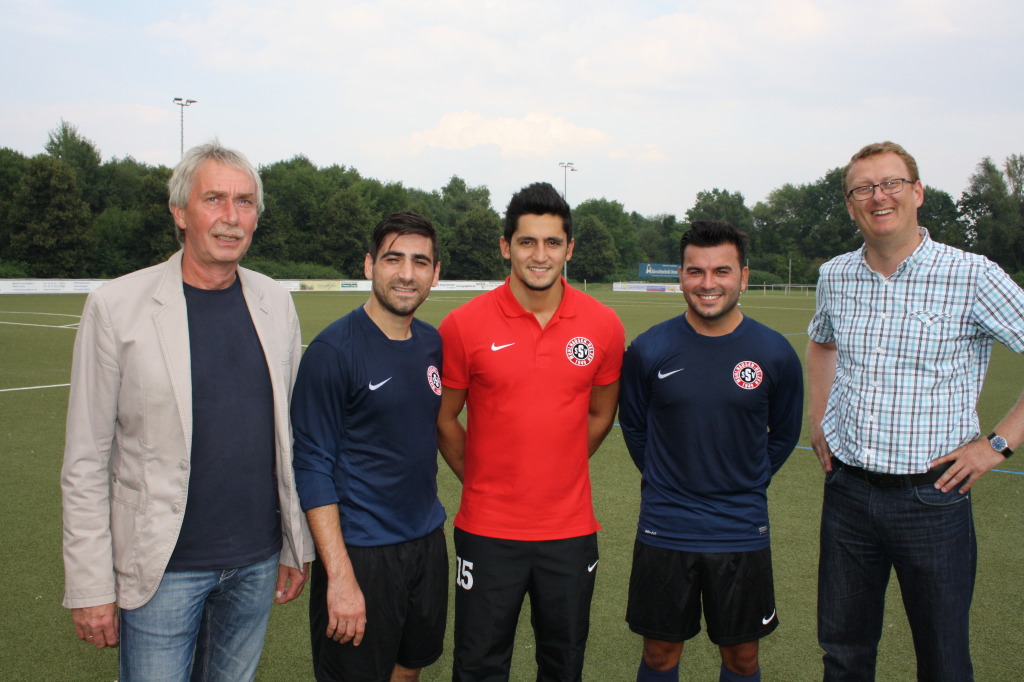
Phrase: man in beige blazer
pixel 181 520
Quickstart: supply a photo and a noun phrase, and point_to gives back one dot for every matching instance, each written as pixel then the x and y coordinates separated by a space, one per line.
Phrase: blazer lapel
pixel 171 323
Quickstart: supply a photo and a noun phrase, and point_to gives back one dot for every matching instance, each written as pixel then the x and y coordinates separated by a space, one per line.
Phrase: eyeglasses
pixel 864 193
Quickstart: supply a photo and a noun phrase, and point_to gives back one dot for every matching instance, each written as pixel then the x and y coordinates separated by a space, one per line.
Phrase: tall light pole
pixel 181 102
pixel 566 166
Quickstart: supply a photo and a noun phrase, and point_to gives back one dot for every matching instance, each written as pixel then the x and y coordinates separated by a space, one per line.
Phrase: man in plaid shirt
pixel 899 346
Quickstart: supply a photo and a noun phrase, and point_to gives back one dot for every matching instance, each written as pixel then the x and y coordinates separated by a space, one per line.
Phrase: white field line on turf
pixel 32 388
pixel 73 325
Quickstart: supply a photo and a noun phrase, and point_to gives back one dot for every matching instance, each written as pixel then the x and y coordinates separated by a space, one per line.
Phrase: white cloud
pixel 535 134
pixel 655 100
pixel 39 19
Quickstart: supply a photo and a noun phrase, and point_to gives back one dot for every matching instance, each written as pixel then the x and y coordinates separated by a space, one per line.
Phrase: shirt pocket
pixel 931 320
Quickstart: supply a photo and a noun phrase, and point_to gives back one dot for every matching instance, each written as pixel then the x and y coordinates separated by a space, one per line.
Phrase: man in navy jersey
pixel 179 498
pixel 364 412
pixel 710 409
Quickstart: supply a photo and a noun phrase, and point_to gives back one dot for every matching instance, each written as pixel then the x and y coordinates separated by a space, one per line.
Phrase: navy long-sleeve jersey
pixel 364 413
pixel 708 420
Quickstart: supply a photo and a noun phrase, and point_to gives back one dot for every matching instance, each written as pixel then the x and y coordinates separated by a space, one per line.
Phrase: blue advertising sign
pixel 659 270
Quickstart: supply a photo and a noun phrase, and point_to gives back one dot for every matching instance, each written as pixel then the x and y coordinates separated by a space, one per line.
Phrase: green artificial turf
pixel 37 640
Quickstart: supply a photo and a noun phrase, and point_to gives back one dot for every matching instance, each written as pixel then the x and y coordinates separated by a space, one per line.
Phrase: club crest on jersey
pixel 747 375
pixel 434 379
pixel 580 351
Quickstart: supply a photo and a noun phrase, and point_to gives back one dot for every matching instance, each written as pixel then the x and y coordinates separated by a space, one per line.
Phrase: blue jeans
pixel 209 623
pixel 928 536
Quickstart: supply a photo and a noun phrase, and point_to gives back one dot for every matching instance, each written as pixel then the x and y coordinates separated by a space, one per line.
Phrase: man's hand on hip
pixel 969 462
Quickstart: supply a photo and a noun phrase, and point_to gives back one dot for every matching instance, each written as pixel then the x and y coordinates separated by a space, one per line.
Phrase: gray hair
pixel 180 184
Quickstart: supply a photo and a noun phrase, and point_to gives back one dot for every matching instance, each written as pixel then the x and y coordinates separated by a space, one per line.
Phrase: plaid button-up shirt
pixel 913 349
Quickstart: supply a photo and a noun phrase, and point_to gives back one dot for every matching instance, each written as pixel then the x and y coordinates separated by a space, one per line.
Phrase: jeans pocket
pixel 833 475
pixel 931 496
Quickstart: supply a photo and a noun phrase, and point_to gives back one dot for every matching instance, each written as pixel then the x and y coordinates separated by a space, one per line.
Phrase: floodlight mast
pixel 182 102
pixel 566 166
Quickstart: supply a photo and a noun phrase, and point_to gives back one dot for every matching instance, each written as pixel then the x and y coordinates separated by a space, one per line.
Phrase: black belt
pixel 892 480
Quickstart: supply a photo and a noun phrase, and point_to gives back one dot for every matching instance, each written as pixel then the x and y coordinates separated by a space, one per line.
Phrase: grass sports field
pixel 37 641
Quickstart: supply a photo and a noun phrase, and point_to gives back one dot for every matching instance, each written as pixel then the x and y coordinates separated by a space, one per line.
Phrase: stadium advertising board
pixel 650 270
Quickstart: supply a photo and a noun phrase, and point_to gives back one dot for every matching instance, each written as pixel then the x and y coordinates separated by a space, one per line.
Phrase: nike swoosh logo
pixel 374 387
pixel 591 567
pixel 662 375
pixel 493 347
pixel 765 621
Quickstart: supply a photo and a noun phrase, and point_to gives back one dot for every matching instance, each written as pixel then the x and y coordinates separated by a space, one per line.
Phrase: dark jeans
pixel 928 536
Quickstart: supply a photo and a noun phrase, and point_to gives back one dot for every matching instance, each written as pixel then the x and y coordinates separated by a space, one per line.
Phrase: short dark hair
pixel 706 233
pixel 401 223
pixel 540 198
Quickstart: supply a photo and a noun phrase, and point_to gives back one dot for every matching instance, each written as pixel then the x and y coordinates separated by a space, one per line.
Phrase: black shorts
pixel 406 591
pixel 491 578
pixel 666 588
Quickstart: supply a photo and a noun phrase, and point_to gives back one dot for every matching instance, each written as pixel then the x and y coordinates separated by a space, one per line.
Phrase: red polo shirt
pixel 527 474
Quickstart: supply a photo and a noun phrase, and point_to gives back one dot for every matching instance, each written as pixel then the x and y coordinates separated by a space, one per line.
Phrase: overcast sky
pixel 653 101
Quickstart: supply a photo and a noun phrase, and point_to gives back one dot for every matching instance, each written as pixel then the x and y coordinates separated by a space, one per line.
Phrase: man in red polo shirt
pixel 537 363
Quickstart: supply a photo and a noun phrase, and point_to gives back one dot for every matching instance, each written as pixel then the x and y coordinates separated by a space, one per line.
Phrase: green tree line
pixel 68 213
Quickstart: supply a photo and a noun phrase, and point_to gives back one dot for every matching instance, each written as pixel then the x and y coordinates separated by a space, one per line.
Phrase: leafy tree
pixel 342 238
pixel 992 217
pixel 658 236
pixel 383 199
pixel 472 250
pixel 427 204
pixel 135 194
pixel 829 230
pixel 1014 168
pixel 457 197
pixel 721 204
pixel 756 277
pixel 454 200
pixel 127 183
pixel 295 193
pixel 800 227
pixel 67 212
pixel 613 218
pixel 13 269
pixel 116 232
pixel 13 166
pixel 776 222
pixel 51 222
pixel 66 144
pixel 594 256
pixel 939 214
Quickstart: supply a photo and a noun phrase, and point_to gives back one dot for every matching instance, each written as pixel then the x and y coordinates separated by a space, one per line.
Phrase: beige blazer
pixel 129 432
